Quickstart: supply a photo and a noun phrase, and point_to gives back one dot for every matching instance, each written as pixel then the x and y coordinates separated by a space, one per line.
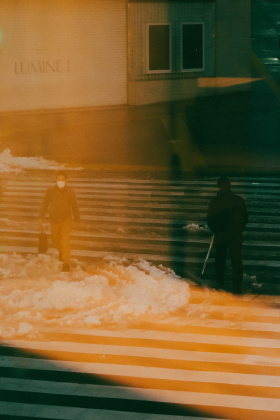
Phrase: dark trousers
pixel 61 239
pixel 234 246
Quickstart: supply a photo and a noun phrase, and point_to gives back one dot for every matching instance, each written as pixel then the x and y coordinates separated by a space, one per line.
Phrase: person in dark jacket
pixel 227 217
pixel 62 204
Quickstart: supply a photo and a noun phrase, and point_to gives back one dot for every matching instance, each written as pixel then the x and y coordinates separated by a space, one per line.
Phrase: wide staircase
pixel 158 219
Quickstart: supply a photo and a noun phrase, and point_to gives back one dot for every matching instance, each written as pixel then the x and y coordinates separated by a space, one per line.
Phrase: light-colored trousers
pixel 61 238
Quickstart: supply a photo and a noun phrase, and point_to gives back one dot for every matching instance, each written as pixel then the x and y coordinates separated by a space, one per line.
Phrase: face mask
pixel 60 184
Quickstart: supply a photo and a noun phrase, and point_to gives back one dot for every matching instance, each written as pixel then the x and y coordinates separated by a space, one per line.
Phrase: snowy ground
pixel 34 294
pixel 10 164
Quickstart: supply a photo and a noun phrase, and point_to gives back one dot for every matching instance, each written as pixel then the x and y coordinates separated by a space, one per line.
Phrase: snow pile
pixel 22 225
pixel 11 164
pixel 252 282
pixel 34 294
pixel 194 228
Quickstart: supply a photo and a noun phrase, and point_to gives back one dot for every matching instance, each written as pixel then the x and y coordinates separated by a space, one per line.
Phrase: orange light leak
pixel 223 82
pixel 183 391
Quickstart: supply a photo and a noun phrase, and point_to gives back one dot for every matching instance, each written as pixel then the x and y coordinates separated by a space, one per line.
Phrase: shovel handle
pixel 207 256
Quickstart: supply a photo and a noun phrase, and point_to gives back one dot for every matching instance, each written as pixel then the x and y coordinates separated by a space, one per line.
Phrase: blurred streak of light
pixel 182 143
pixel 151 388
pixel 262 70
pixel 221 82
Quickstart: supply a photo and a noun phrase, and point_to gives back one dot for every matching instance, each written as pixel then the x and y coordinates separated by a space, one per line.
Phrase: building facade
pixel 57 54
pixel 171 45
pixel 183 49
pixel 63 54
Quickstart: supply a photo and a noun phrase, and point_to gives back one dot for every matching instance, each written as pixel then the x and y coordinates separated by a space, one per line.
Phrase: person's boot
pixel 220 284
pixel 237 290
pixel 237 285
pixel 65 267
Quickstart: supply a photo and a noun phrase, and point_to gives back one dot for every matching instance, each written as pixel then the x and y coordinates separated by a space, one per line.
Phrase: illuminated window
pixel 159 48
pixel 192 46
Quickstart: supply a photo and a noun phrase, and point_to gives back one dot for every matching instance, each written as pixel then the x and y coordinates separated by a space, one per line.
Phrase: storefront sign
pixel 42 66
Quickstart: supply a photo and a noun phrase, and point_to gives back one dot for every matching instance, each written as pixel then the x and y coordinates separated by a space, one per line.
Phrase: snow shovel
pixel 207 256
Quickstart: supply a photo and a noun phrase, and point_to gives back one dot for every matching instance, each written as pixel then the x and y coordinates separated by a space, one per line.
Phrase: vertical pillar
pixel 233 38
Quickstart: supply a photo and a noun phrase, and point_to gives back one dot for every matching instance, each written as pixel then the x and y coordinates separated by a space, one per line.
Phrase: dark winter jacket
pixel 62 203
pixel 227 214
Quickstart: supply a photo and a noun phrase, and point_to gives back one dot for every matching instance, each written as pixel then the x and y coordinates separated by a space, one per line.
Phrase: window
pixel 192 46
pixel 159 48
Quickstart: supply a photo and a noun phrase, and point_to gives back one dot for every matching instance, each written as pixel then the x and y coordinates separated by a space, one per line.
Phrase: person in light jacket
pixel 62 204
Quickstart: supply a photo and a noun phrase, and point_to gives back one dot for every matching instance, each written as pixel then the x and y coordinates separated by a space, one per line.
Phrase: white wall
pixel 62 53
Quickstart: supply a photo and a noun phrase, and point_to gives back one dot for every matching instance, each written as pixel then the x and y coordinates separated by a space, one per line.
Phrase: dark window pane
pixel 159 47
pixel 192 46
